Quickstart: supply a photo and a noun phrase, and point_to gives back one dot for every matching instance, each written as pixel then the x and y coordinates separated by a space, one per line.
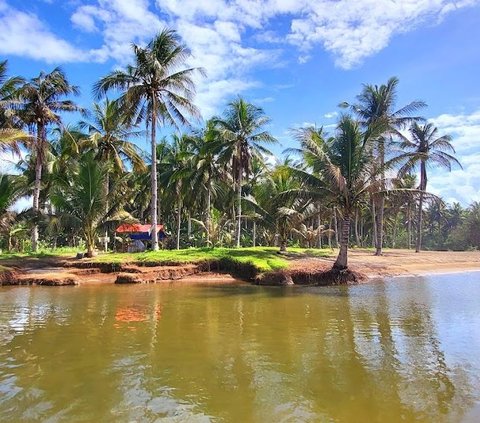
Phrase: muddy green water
pixel 395 351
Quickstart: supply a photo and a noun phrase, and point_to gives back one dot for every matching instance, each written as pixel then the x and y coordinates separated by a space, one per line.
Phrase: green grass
pixel 58 252
pixel 263 258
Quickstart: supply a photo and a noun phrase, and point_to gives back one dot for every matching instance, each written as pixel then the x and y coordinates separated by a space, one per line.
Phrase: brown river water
pixel 400 350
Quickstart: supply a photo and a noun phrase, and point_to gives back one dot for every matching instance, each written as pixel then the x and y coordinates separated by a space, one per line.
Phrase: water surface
pixel 396 351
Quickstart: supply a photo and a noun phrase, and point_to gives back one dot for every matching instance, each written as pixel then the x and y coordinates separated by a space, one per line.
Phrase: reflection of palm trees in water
pixel 424 356
pixel 367 353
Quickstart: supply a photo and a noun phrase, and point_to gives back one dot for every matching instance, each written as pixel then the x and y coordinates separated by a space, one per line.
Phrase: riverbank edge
pixel 300 271
pixel 135 272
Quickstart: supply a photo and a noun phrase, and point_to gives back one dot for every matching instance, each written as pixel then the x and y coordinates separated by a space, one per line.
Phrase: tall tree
pixel 377 103
pixel 206 172
pixel 109 131
pixel 41 100
pixel 159 89
pixel 425 148
pixel 338 171
pixel 242 128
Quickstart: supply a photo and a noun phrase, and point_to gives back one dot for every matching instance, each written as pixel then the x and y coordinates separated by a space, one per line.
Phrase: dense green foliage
pixel 215 184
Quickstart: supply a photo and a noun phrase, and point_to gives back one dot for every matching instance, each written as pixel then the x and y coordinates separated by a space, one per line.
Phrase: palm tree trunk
pixel 209 201
pixel 409 225
pixel 254 233
pixel 106 189
pixel 41 136
pixel 374 224
pixel 154 187
pixel 419 224
pixel 379 225
pixel 342 260
pixel 89 238
pixel 336 225
pixel 319 230
pixel 239 209
pixel 381 200
pixel 330 233
pixel 423 187
pixel 179 222
pixel 357 235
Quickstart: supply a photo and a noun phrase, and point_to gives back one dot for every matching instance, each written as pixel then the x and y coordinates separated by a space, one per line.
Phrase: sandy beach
pixel 399 262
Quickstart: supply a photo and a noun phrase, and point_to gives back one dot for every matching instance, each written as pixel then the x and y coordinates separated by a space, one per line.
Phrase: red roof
pixel 128 228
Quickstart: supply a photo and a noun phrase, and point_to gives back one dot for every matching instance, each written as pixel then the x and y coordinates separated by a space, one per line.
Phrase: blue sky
pixel 296 58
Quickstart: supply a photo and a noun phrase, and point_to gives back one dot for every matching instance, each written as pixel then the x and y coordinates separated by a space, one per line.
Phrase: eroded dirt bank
pixel 306 271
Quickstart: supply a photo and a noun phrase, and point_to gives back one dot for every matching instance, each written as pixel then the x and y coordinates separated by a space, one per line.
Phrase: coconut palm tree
pixel 176 176
pixel 157 88
pixel 338 171
pixel 10 127
pixel 278 212
pixel 11 188
pixel 377 103
pixel 83 200
pixel 206 172
pixel 41 100
pixel 425 148
pixel 109 131
pixel 243 132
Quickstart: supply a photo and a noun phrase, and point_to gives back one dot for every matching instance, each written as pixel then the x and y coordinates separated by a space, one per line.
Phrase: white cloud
pixel 222 33
pixel 354 30
pixel 23 34
pixel 330 115
pixel 462 185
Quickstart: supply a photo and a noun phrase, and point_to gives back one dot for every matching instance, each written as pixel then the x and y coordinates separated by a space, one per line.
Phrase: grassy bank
pixel 265 259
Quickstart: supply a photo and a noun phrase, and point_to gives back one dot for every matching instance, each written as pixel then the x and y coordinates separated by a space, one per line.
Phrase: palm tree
pixel 206 173
pixel 377 103
pixel 41 100
pixel 176 176
pixel 109 132
pixel 11 188
pixel 83 199
pixel 277 212
pixel 243 133
pixel 406 187
pixel 10 127
pixel 158 89
pixel 426 148
pixel 339 171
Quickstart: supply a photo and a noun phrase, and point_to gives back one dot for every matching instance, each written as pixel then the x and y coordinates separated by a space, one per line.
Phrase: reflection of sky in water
pixel 403 350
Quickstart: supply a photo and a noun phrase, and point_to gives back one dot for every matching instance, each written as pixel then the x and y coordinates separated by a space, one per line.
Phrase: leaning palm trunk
pixel 154 201
pixel 357 235
pixel 335 221
pixel 342 260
